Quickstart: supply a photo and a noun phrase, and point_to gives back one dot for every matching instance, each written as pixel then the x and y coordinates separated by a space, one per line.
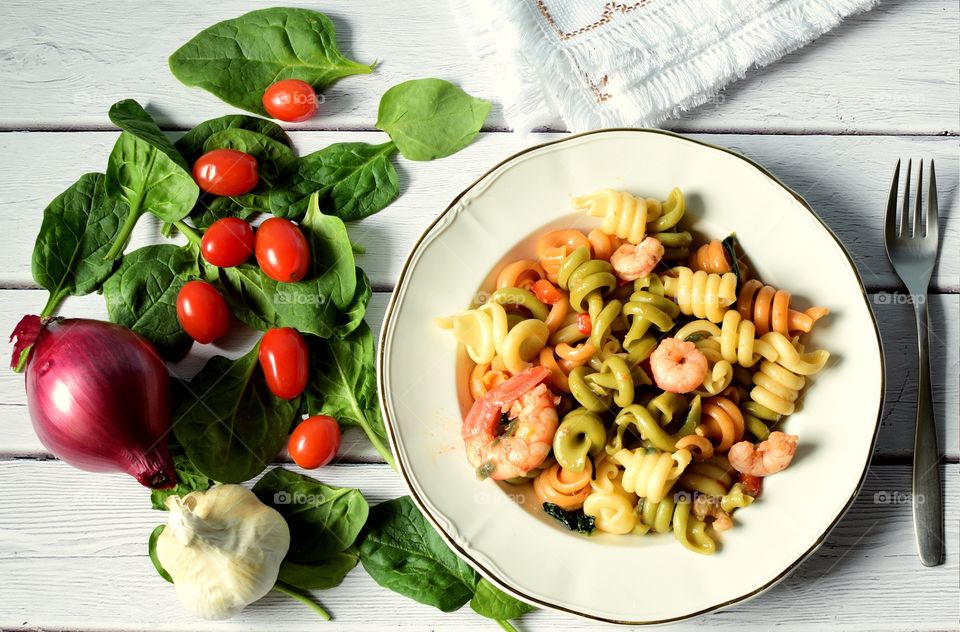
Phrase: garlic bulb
pixel 223 549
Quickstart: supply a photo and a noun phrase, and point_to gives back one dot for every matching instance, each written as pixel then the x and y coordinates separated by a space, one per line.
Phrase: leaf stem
pixel 380 447
pixel 123 236
pixel 188 231
pixel 506 625
pixel 290 591
pixel 53 302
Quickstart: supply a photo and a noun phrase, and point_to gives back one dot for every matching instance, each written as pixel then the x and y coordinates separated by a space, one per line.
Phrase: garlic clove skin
pixel 223 549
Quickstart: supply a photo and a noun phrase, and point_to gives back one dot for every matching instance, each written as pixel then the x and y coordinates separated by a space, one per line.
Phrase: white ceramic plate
pixel 498 528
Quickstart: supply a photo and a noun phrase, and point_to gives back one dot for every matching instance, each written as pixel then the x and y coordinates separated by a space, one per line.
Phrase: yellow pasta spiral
pixel 486 332
pixel 776 388
pixel 623 215
pixel 651 473
pixel 701 294
pixel 611 506
pixel 562 487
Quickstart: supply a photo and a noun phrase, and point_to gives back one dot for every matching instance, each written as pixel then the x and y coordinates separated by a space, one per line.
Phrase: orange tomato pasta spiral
pixel 553 248
pixel 721 422
pixel 523 274
pixel 769 309
pixel 558 314
pixel 602 245
pixel 563 487
pixel 484 377
pixel 710 257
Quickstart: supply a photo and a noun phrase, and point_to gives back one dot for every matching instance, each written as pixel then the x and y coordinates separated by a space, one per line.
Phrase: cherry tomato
pixel 228 242
pixel 290 100
pixel 285 362
pixel 546 292
pixel 226 172
pixel 584 325
pixel 315 442
pixel 282 250
pixel 752 485
pixel 202 312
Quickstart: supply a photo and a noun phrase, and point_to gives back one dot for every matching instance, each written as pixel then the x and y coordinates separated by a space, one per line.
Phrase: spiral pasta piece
pixel 713 476
pixel 769 309
pixel 581 433
pixel 586 279
pixel 651 473
pixel 721 422
pixel 553 247
pixel 563 487
pixel 622 214
pixel 675 514
pixel 483 378
pixel 614 378
pixel 736 498
pixel 523 274
pixel 711 257
pixel 611 506
pixel 701 294
pixel 647 308
pixel 602 245
pixel 776 388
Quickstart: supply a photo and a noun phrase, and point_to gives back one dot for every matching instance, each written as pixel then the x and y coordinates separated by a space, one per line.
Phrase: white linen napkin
pixel 600 63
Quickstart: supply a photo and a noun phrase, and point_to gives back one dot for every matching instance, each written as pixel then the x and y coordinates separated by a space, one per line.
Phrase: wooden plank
pixel 65 70
pixel 72 559
pixel 896 327
pixel 844 178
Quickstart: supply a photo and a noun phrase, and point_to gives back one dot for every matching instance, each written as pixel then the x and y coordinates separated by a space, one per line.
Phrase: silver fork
pixel 912 249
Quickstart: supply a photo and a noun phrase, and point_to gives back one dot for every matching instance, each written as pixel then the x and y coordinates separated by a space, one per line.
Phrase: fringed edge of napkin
pixel 537 80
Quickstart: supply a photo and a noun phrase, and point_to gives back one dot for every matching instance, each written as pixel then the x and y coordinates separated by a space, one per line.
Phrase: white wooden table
pixel 830 120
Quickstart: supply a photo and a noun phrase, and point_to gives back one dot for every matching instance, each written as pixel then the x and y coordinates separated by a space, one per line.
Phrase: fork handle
pixel 927 499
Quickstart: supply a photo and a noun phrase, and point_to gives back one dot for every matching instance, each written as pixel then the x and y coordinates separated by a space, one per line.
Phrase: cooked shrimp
pixel 766 458
pixel 631 262
pixel 530 407
pixel 678 366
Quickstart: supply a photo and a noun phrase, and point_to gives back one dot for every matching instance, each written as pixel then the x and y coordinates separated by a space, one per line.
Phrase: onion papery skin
pixel 99 398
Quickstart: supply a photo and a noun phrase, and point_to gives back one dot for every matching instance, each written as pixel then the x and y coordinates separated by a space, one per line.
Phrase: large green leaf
pixel 77 230
pixel 238 59
pixel 323 520
pixel 146 171
pixel 353 181
pixel 320 575
pixel 430 118
pixel 402 552
pixel 142 293
pixel 228 422
pixel 191 144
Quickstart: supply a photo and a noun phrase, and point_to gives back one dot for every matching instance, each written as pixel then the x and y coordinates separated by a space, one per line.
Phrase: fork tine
pixel 918 206
pixel 932 226
pixel 905 208
pixel 890 226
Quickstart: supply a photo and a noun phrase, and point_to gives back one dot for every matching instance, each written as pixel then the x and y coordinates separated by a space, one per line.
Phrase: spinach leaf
pixel 229 423
pixel 142 293
pixel 491 602
pixel 238 59
pixel 323 520
pixel 430 118
pixel 152 550
pixel 261 303
pixel 78 227
pixel 736 264
pixel 321 575
pixel 343 385
pixel 191 144
pixel 402 552
pixel 353 180
pixel 331 254
pixel 189 479
pixel 146 171
pixel 573 520
pixel 352 315
pixel 210 208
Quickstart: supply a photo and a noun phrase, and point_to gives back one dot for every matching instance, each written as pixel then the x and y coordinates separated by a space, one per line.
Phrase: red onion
pixel 98 395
